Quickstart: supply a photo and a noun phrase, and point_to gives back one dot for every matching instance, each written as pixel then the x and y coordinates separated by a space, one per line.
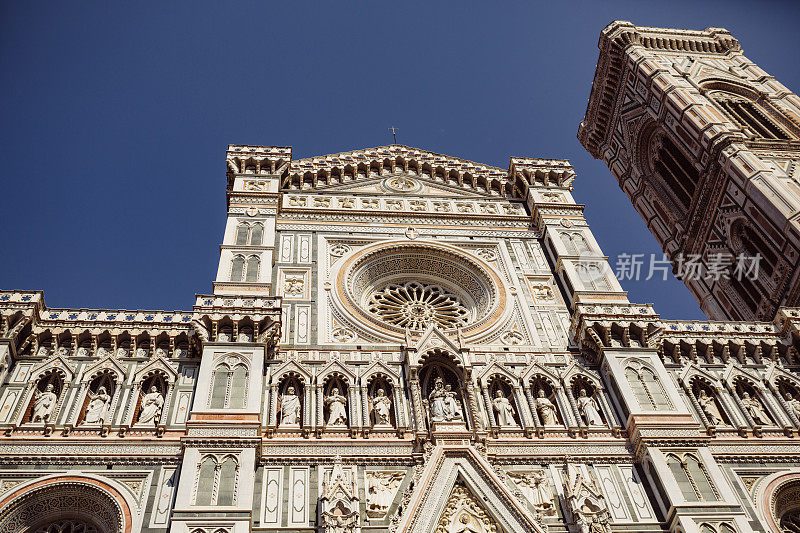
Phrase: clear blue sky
pixel 116 117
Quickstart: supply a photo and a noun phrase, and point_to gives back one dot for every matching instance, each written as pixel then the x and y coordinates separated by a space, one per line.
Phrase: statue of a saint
pixel 709 407
pixel 589 410
pixel 452 407
pixel 337 408
pixel 755 409
pixel 792 403
pixel 43 405
pixel 97 410
pixel 503 409
pixel 290 408
pixel 381 409
pixel 436 400
pixel 152 403
pixel 546 409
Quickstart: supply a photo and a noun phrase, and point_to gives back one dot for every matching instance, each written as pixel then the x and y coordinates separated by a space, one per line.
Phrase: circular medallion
pixel 402 184
pixel 252 211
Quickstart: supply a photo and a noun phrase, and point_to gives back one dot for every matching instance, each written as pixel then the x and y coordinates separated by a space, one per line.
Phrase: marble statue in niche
pixel 792 403
pixel 97 410
pixel 589 410
pixel 44 404
pixel 709 407
pixel 754 409
pixel 444 404
pixel 503 409
pixel 290 408
pixel 337 408
pixel 452 407
pixel 381 409
pixel 152 404
pixel 546 409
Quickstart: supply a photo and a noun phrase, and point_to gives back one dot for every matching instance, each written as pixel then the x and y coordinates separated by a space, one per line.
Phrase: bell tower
pixel 707 147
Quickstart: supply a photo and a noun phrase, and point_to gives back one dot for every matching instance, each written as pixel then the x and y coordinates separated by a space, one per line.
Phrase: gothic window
pixel 256 234
pixel 226 494
pixel 229 387
pixel 750 115
pixel 245 270
pixel 674 169
pixel 238 387
pixel 205 481
pixel 237 268
pixel 252 268
pixel 219 390
pixel 647 389
pixel 691 477
pixel 241 234
pixel 705 528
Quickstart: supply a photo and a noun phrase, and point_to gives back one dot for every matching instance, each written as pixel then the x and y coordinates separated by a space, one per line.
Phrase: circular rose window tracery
pixel 385 289
pixel 416 305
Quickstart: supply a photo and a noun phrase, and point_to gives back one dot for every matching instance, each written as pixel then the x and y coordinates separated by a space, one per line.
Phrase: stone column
pixel 365 409
pixel 532 406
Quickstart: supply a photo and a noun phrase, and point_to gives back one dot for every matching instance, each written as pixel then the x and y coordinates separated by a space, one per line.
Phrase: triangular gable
pixel 451 467
pixel 159 363
pixel 321 172
pixel 775 374
pixel 107 363
pixel 734 371
pixel 498 368
pixel 693 370
pixel 56 362
pixel 336 366
pixel 379 367
pixel 434 339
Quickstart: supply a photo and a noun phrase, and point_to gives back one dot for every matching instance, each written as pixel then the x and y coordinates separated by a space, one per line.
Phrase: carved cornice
pixel 607 87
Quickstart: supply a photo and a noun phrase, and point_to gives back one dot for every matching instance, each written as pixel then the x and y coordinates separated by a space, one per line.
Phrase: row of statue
pixel 380 406
pixel 97 410
pixel 587 407
pixel 751 405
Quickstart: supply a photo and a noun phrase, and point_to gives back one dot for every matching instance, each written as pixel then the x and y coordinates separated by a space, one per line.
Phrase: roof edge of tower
pixel 615 39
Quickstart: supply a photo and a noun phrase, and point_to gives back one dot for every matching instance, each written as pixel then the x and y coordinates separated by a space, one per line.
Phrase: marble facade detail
pixel 398 341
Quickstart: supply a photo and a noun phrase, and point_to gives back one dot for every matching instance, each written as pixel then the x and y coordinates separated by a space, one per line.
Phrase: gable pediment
pixel 475 491
pixel 378 167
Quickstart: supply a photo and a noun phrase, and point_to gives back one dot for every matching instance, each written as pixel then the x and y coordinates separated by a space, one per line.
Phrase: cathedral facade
pixel 398 341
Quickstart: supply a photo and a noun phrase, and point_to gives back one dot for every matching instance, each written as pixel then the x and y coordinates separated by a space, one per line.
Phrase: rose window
pixel 416 305
pixel 384 289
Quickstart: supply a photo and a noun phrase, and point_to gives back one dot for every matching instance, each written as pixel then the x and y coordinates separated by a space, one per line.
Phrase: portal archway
pixel 67 504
